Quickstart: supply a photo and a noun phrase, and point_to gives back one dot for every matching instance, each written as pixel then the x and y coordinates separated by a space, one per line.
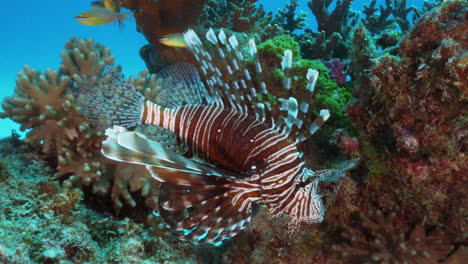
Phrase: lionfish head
pixel 308 206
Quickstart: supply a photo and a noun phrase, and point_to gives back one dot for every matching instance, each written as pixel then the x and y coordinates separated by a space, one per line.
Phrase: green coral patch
pixel 277 45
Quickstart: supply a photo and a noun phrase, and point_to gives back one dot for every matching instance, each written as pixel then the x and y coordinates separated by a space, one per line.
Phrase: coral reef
pixel 340 20
pixel 178 16
pixel 406 202
pixel 47 104
pixel 318 45
pixel 337 70
pixel 41 222
pixel 389 23
pixel 387 239
pixel 421 94
pixel 378 22
pixel 411 117
pixel 172 16
pixel 401 13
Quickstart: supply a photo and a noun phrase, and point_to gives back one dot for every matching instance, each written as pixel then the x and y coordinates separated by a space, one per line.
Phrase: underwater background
pixel 48 25
pixel 393 74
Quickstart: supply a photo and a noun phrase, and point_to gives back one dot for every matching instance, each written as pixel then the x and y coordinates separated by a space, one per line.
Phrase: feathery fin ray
pixel 239 89
pixel 133 147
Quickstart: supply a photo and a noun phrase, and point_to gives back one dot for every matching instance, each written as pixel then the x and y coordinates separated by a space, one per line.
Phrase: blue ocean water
pixel 34 32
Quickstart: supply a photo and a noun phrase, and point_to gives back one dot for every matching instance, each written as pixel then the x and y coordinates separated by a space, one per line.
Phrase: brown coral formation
pixel 158 18
pixel 47 103
pixel 240 16
pixel 411 116
pixel 334 28
pixel 387 239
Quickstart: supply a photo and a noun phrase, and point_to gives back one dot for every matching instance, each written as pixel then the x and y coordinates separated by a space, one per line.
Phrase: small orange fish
pixel 100 16
pixel 175 40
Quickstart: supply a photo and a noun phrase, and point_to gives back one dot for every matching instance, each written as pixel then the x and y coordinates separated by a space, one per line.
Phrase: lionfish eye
pixel 303 184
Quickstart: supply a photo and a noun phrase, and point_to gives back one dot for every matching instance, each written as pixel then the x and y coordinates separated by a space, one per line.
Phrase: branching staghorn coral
pixel 340 20
pixel 318 45
pixel 378 22
pixel 240 16
pixel 401 12
pixel 333 30
pixel 288 19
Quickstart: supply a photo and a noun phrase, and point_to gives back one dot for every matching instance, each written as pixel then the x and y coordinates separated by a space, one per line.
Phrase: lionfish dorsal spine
pixel 316 124
pixel 286 65
pixel 235 85
pixel 241 90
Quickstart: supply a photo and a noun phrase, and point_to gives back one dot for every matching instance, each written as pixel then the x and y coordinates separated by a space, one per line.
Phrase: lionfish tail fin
pixel 113 102
pixel 210 211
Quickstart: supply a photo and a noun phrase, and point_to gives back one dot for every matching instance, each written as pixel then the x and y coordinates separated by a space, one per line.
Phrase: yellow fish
pixel 112 6
pixel 99 16
pixel 175 40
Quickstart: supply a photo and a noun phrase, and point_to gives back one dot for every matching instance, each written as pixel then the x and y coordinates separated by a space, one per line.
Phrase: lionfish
pixel 246 153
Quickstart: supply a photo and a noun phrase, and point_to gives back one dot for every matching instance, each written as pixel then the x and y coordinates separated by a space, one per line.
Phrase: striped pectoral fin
pixel 207 213
pixel 126 146
pixel 182 86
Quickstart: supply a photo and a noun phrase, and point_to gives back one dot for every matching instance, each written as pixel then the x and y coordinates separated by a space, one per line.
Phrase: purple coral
pixel 337 70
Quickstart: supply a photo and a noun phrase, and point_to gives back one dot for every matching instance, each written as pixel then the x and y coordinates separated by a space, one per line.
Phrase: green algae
pixel 277 45
pixel 377 169
pixel 328 93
